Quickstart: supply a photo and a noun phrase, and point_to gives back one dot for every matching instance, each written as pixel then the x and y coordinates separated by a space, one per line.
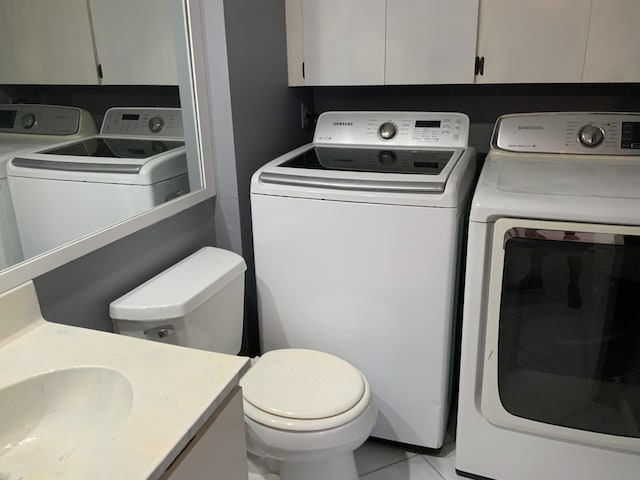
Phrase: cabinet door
pixel 431 41
pixel 218 450
pixel 46 42
pixel 613 49
pixel 524 41
pixel 135 40
pixel 343 42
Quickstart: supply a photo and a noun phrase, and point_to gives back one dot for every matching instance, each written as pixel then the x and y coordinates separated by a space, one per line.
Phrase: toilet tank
pixel 198 303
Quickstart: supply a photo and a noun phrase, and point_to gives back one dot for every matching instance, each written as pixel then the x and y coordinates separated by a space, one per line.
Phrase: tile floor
pixel 379 461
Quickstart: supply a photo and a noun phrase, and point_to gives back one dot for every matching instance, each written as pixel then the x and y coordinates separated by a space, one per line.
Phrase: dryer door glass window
pixel 569 330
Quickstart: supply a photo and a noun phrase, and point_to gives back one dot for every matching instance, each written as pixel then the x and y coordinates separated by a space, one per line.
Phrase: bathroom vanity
pixel 78 403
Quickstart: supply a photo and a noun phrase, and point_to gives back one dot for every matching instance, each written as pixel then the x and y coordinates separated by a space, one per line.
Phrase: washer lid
pixel 302 384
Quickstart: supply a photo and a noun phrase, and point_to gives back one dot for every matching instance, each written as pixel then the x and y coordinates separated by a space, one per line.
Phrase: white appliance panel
pixel 378 288
pixel 26 128
pixel 80 208
pixel 10 247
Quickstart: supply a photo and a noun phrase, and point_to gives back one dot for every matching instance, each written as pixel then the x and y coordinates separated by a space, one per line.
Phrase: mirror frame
pixel 203 108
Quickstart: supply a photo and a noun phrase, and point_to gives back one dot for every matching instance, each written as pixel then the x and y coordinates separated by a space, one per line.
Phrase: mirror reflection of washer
pixel 137 162
pixel 356 241
pixel 26 128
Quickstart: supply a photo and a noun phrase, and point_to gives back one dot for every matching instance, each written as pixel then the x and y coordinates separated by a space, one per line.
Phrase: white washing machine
pixel 356 240
pixel 64 193
pixel 25 128
pixel 550 368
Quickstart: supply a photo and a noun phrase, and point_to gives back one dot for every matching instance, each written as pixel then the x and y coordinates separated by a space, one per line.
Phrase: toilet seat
pixel 303 390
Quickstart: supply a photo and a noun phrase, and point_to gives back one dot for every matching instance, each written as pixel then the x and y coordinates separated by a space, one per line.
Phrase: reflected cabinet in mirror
pixel 102 128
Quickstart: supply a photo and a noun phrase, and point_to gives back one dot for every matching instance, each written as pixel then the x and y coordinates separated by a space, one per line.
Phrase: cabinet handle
pixel 99 68
pixel 479 66
pixel 302 69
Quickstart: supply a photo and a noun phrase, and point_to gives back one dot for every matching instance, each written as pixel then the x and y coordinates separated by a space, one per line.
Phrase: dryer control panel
pixel 569 132
pixel 393 129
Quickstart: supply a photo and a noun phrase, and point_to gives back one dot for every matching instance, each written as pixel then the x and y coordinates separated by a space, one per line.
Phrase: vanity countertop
pixel 174 390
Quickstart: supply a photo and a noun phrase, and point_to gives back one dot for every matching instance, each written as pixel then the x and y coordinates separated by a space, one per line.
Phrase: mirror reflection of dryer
pixel 137 162
pixel 26 128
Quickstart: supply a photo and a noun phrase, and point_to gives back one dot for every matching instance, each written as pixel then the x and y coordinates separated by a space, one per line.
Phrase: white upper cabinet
pixel 343 42
pixel 377 42
pixel 135 40
pixel 401 42
pixel 46 42
pixel 524 41
pixel 63 41
pixel 613 49
pixel 430 41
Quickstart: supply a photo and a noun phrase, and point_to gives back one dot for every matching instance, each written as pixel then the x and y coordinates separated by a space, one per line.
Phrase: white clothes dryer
pixel 25 128
pixel 550 367
pixel 64 193
pixel 356 241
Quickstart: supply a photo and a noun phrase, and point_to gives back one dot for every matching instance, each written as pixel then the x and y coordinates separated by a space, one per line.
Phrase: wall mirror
pixel 123 63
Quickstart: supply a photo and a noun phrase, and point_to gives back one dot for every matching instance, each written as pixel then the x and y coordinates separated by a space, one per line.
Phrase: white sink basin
pixel 55 424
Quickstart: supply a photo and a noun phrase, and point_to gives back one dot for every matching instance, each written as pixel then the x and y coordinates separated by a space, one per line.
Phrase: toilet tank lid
pixel 181 288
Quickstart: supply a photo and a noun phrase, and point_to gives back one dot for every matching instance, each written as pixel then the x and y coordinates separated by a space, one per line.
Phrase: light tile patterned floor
pixel 379 461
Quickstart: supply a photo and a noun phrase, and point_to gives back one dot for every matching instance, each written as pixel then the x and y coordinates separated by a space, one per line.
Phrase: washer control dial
pixel 387 130
pixel 156 124
pixel 28 120
pixel 591 136
pixel 386 158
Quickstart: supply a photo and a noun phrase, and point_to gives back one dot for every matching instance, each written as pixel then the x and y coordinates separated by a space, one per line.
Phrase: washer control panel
pixel 569 132
pixel 39 119
pixel 143 122
pixel 397 129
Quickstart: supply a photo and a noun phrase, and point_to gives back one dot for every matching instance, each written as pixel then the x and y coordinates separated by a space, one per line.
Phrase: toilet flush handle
pixel 160 332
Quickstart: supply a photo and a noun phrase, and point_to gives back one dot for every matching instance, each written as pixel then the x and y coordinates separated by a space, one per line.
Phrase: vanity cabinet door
pixel 218 450
pixel 344 42
pixel 430 41
pixel 46 42
pixel 541 41
pixel 613 49
pixel 135 40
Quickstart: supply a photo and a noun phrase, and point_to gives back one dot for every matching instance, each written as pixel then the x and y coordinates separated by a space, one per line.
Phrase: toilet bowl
pixel 309 410
pixel 305 411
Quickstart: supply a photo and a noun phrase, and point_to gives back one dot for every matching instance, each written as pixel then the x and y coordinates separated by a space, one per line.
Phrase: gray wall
pixel 78 293
pixel 266 112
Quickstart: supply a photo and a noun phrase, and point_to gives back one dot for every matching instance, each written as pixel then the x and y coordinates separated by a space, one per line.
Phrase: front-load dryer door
pixel 563 329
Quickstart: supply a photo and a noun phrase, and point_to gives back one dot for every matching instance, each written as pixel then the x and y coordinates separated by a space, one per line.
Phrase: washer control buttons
pixel 28 120
pixel 387 130
pixel 591 136
pixel 156 124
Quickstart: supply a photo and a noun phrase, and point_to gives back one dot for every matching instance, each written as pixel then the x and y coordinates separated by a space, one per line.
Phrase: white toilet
pixel 305 411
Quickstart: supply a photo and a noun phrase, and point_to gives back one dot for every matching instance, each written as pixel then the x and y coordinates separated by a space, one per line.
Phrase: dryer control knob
pixel 591 136
pixel 156 124
pixel 28 120
pixel 387 130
